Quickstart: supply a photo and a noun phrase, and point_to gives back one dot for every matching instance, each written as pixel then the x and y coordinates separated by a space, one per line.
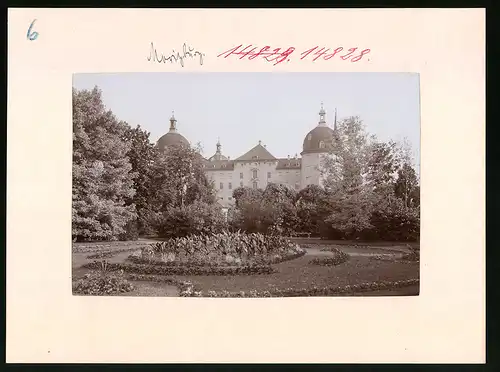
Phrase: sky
pixel 278 109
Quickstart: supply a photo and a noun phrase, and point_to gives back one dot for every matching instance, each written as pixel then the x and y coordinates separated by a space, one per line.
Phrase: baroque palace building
pixel 258 167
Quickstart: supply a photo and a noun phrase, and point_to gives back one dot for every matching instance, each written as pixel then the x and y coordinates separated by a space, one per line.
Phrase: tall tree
pixel 382 166
pixel 102 173
pixel 185 181
pixel 346 171
pixel 142 155
pixel 406 187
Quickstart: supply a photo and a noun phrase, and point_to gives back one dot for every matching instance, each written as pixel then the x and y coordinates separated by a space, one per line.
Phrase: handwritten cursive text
pixel 174 57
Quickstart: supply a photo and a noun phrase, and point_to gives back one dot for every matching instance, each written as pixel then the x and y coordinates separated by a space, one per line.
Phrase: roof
pixel 218 165
pixel 217 157
pixel 292 163
pixel 320 134
pixel 259 152
pixel 170 139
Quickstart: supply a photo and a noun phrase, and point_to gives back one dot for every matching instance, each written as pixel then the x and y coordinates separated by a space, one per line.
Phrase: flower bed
pixel 181 284
pixel 306 292
pixel 105 254
pixel 201 261
pixel 409 258
pixel 117 247
pixel 100 283
pixel 337 258
pixel 227 249
pixel 158 269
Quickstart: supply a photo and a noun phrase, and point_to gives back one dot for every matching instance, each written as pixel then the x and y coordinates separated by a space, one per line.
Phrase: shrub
pixel 102 283
pixel 196 218
pixel 131 231
pixel 337 258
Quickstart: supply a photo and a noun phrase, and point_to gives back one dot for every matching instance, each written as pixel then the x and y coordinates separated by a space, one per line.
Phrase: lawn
pixel 299 274
pixel 296 274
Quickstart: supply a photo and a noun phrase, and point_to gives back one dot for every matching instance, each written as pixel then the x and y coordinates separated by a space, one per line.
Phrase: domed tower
pixel 172 138
pixel 218 153
pixel 316 145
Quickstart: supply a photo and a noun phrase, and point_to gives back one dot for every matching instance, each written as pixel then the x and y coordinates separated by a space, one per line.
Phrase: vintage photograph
pixel 246 185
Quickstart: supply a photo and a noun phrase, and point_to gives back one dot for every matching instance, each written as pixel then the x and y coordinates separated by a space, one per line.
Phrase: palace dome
pixel 319 139
pixel 172 138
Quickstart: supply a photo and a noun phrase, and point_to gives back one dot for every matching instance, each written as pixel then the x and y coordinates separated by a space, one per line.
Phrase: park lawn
pixel 296 274
pixel 299 274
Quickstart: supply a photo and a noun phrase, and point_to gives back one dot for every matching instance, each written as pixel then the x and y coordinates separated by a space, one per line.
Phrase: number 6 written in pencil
pixel 32 35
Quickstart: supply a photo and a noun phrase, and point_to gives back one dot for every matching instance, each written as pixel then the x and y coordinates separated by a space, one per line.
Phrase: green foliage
pixel 102 283
pixel 233 248
pixel 269 211
pixel 308 292
pixel 185 180
pixel 102 173
pixel 123 184
pixel 186 270
pixel 337 258
pixel 142 154
pixel 366 180
pixel 406 186
pixel 196 218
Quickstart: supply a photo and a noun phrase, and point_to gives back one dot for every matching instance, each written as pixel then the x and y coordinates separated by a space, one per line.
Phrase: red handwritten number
pixel 328 56
pixel 307 52
pixel 255 55
pixel 351 51
pixel 275 52
pixel 227 53
pixel 320 52
pixel 243 55
pixel 363 52
pixel 284 55
pixel 277 56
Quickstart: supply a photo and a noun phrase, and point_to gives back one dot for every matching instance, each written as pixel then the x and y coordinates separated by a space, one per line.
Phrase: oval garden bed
pixel 217 254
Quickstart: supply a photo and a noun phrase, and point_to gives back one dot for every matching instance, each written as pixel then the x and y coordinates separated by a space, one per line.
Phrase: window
pixel 241 176
pixel 309 136
pixel 321 145
pixel 229 198
pixel 221 185
pixel 254 173
pixel 230 185
pixel 268 174
pixel 241 184
pixel 255 185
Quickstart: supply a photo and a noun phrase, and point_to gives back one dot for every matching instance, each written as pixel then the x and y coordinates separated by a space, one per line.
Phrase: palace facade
pixel 258 166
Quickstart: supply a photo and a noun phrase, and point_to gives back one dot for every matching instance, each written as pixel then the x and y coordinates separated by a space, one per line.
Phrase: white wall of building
pixel 225 181
pixel 310 169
